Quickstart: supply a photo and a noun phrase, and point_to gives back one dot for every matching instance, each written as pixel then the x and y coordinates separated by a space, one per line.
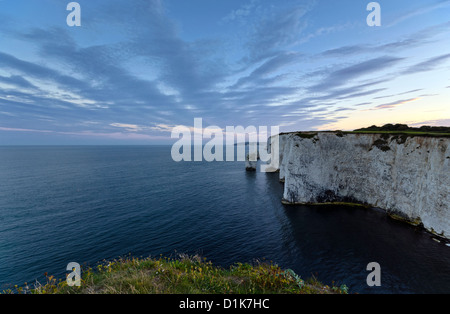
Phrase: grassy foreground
pixel 184 275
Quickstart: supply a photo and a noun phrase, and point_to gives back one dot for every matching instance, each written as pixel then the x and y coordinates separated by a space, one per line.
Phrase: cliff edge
pixel 406 175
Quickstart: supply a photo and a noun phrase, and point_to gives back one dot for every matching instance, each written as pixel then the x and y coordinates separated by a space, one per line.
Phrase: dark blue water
pixel 87 204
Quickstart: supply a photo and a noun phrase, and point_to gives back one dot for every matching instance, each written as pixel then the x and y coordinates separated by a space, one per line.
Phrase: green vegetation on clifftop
pixel 184 275
pixel 438 131
pixel 400 131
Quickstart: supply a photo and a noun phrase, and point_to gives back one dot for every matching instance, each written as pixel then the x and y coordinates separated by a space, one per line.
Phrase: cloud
pixel 427 65
pixel 323 31
pixel 396 103
pixel 345 51
pixel 23 130
pixel 360 94
pixel 419 11
pixel 416 39
pixel 90 134
pixel 347 74
pixel 271 66
pixel 163 127
pixel 188 67
pixel 321 102
pixel 132 70
pixel 276 63
pixel 128 127
pixel 399 94
pixel 280 29
pixel 17 81
pixel 244 11
pixel 437 122
pixel 350 50
pixel 99 75
pixel 40 72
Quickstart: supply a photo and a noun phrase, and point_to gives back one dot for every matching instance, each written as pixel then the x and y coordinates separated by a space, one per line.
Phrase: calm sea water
pixel 86 204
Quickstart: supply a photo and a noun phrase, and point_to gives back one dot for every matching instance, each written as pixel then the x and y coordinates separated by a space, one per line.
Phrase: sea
pixel 87 204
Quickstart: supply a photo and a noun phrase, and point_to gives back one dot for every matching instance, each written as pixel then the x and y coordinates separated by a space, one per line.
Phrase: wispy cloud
pixel 356 71
pixel 280 29
pixel 91 134
pixel 399 94
pixel 128 127
pixel 242 12
pixel 271 66
pixel 370 48
pixel 437 122
pixel 40 72
pixel 417 39
pixel 17 81
pixel 24 130
pixel 396 103
pixel 427 65
pixel 429 7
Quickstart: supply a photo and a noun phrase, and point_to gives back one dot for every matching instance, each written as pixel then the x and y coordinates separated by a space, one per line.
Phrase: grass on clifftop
pixel 185 275
pixel 437 131
pixel 389 129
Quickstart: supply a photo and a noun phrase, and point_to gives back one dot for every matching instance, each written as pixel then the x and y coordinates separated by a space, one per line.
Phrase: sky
pixel 134 70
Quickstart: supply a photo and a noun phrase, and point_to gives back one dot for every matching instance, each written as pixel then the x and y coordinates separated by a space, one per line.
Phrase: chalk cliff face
pixel 406 176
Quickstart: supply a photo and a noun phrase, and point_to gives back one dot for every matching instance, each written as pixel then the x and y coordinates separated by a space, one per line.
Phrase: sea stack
pixel 251 161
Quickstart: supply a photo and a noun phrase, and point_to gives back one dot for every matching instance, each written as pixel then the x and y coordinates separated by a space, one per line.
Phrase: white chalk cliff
pixel 408 176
